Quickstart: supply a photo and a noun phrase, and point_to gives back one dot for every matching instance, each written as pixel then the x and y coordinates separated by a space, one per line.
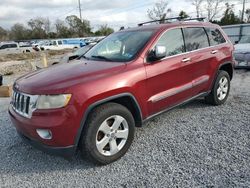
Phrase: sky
pixel 114 13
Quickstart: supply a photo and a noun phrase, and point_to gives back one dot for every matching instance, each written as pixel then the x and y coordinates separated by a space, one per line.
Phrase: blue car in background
pixel 74 42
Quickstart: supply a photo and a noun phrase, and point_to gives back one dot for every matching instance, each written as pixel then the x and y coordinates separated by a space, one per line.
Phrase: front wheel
pixel 220 91
pixel 108 133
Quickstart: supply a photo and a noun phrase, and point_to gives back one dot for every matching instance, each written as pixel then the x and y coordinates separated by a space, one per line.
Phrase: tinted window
pixel 12 46
pixel 195 38
pixel 4 47
pixel 215 36
pixel 59 42
pixel 173 41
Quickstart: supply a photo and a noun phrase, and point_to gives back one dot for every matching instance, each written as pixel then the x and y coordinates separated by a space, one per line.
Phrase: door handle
pixel 214 51
pixel 186 60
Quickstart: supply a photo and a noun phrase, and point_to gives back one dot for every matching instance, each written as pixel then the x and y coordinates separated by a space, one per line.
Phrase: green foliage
pixel 183 14
pixel 19 32
pixel 40 28
pixel 104 31
pixel 78 27
pixel 3 34
pixel 229 16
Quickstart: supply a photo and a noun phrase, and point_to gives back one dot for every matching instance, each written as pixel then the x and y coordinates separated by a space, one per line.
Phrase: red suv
pixel 95 103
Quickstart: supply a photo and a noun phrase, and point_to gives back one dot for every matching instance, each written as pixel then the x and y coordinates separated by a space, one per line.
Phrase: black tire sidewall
pixel 94 121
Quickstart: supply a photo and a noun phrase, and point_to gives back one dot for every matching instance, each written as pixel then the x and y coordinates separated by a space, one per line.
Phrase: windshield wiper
pixel 101 57
pixel 83 56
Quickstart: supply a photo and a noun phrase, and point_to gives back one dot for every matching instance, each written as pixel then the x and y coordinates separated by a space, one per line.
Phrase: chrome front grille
pixel 23 104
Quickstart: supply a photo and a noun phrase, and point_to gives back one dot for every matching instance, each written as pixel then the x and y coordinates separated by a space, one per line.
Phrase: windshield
pixel 120 47
pixel 244 39
pixel 81 51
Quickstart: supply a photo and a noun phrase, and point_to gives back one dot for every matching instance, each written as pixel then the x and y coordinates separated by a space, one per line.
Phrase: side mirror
pixel 157 53
pixel 236 42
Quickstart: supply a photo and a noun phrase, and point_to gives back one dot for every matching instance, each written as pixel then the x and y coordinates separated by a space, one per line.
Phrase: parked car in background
pixel 93 40
pixel 37 45
pixel 63 44
pixel 72 56
pixel 242 52
pixel 126 79
pixel 14 48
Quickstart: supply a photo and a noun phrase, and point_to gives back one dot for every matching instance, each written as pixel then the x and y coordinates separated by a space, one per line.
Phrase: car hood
pixel 242 48
pixel 57 79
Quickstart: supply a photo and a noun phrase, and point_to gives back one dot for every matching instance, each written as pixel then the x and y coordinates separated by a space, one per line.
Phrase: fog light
pixel 44 134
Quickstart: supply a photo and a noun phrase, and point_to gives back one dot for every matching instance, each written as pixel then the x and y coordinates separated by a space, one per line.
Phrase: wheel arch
pixel 228 67
pixel 125 99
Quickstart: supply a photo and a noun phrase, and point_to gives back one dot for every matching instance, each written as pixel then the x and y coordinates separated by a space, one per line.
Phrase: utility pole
pixel 243 11
pixel 80 9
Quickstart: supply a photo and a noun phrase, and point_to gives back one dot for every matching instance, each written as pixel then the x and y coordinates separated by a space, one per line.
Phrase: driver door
pixel 169 80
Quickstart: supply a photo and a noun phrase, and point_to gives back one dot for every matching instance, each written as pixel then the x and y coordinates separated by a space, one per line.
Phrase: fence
pixel 235 32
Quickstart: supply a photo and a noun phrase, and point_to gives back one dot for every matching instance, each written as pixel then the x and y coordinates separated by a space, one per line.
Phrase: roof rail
pixel 179 18
pixel 200 19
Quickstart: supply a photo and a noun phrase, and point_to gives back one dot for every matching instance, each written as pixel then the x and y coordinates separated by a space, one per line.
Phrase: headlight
pixel 52 101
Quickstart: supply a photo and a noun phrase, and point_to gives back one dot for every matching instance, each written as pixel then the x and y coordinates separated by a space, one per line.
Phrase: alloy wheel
pixel 112 135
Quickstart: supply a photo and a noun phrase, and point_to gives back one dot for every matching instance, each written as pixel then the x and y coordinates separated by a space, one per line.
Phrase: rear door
pixel 200 54
pixel 169 80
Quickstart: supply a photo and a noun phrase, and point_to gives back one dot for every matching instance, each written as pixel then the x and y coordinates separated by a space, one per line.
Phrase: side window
pixel 215 36
pixel 60 42
pixel 54 43
pixel 12 46
pixel 195 38
pixel 173 41
pixel 4 47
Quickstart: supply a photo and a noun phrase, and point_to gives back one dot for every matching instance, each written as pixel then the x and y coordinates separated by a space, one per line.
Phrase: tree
pixel 37 26
pixel 229 17
pixel 197 4
pixel 104 31
pixel 62 31
pixel 183 14
pixel 47 25
pixel 19 32
pixel 159 11
pixel 78 27
pixel 3 34
pixel 248 15
pixel 213 8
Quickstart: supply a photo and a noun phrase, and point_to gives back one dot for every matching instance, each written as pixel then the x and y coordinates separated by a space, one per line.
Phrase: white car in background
pixel 13 48
pixel 63 44
pixel 242 52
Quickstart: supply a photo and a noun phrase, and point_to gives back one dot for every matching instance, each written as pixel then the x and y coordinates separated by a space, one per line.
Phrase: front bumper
pixel 63 123
pixel 66 152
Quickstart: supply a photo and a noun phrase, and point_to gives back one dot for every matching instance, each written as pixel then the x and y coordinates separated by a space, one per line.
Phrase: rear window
pixel 195 38
pixel 215 36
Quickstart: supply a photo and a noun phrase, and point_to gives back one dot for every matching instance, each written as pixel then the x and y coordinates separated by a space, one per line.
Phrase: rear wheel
pixel 108 133
pixel 220 91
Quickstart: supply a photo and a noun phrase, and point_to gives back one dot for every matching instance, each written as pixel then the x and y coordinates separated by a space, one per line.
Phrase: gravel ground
pixel 195 145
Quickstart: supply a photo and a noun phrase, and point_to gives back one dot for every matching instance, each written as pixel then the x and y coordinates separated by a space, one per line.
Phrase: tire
pixel 220 91
pixel 101 132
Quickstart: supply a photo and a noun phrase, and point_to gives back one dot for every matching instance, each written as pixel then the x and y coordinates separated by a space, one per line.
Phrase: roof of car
pixel 169 25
